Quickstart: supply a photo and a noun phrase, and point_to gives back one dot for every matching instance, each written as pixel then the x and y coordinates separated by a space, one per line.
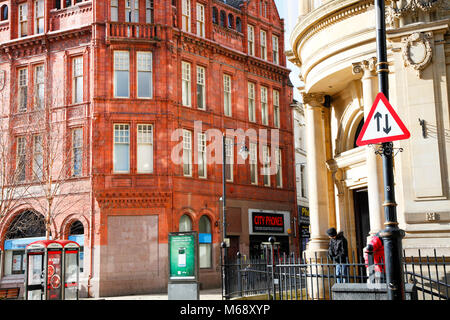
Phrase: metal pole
pixel 224 191
pixel 224 221
pixel 392 235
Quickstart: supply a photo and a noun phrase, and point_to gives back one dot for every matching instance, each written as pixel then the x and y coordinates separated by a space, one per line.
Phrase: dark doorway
pixel 362 222
pixel 234 247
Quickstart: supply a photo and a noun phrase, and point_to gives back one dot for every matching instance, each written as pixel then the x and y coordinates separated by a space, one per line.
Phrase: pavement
pixel 209 294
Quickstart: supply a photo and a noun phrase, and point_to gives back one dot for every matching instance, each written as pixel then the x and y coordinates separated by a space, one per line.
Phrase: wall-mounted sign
pixel 303 215
pixel 268 222
pixel 183 256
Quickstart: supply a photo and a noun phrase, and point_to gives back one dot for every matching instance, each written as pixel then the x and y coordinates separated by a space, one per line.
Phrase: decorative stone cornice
pixel 417 51
pixel 119 200
pixel 313 99
pixel 413 7
pixel 329 14
pixel 366 67
pixel 410 8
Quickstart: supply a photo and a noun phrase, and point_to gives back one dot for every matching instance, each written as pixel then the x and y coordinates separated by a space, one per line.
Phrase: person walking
pixel 338 253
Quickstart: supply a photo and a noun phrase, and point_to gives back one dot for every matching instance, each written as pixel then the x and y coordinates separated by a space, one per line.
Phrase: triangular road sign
pixel 382 124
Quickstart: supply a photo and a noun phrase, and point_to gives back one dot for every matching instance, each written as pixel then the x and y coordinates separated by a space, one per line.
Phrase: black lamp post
pixel 244 154
pixel 392 235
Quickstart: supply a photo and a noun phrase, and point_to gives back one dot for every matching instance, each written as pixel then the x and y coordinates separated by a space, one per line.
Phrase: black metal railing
pixel 290 277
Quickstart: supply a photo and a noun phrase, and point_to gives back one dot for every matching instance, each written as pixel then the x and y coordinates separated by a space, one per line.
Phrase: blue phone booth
pixel 52 270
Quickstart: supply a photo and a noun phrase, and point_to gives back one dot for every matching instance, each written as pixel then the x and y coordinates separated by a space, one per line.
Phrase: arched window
pixel 4 12
pixel 223 17
pixel 76 228
pixel 230 21
pixel 26 227
pixel 185 223
pixel 238 24
pixel 358 130
pixel 215 14
pixel 205 242
pixel 76 233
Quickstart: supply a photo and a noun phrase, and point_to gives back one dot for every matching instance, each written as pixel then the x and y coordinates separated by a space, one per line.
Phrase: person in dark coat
pixel 338 252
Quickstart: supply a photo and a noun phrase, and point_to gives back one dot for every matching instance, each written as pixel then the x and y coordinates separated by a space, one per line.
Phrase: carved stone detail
pixel 403 8
pixel 417 51
pixel 366 67
pixel 313 99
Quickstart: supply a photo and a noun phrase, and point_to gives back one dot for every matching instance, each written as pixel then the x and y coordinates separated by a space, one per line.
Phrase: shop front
pixel 264 224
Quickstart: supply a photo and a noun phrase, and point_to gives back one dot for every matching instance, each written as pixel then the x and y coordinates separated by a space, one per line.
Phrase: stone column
pixel 317 187
pixel 303 7
pixel 367 68
pixel 317 171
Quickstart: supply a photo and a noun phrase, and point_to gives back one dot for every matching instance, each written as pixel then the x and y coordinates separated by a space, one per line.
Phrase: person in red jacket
pixel 375 248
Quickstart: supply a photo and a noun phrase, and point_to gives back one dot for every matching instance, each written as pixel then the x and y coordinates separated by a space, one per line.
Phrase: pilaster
pixel 317 173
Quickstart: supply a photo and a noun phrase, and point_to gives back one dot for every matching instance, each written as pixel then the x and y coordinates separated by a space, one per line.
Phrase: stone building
pixel 130 89
pixel 333 44
pixel 301 173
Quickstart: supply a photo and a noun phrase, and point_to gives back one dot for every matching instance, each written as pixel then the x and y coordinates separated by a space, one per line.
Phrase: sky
pixel 288 10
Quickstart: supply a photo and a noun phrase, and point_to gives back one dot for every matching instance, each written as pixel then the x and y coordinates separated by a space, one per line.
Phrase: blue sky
pixel 288 10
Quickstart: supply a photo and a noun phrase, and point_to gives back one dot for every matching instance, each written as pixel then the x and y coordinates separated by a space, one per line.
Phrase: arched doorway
pixel 76 233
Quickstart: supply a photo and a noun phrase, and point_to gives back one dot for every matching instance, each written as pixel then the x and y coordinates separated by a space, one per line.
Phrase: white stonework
pixel 334 46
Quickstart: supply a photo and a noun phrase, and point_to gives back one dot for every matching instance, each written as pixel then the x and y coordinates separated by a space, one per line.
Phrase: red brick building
pixel 125 80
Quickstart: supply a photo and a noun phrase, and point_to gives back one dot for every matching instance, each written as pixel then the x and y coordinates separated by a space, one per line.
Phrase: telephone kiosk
pixel 52 270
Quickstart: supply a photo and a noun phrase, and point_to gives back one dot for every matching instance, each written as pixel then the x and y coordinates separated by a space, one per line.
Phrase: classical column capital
pixel 316 99
pixel 367 68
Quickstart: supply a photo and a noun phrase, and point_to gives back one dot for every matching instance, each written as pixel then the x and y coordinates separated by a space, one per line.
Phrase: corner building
pixel 346 181
pixel 133 76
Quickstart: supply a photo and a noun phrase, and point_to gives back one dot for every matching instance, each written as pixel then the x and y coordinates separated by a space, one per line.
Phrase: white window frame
pixel 121 139
pixel 279 165
pixel 201 154
pixel 227 95
pixel 253 161
pixel 114 10
pixel 200 20
pixel 263 44
pixel 39 86
pixel 23 19
pixel 21 158
pixel 144 64
pixel 22 74
pixel 187 153
pixel 38 163
pixel 275 49
pixel 201 85
pixel 77 145
pixel 39 16
pixel 144 138
pixel 276 108
pixel 303 181
pixel 186 15
pixel 77 74
pixel 186 87
pixel 229 158
pixel 266 165
pixel 251 102
pixel 149 11
pixel 132 11
pixel 121 64
pixel 251 40
pixel 264 107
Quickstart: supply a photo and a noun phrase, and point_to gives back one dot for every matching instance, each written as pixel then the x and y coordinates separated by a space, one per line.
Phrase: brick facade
pixel 127 216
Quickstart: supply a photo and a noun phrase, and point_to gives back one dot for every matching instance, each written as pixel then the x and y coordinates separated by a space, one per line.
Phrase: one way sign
pixel 382 124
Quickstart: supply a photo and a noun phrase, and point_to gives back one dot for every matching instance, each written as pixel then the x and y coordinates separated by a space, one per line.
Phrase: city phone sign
pixel 268 222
